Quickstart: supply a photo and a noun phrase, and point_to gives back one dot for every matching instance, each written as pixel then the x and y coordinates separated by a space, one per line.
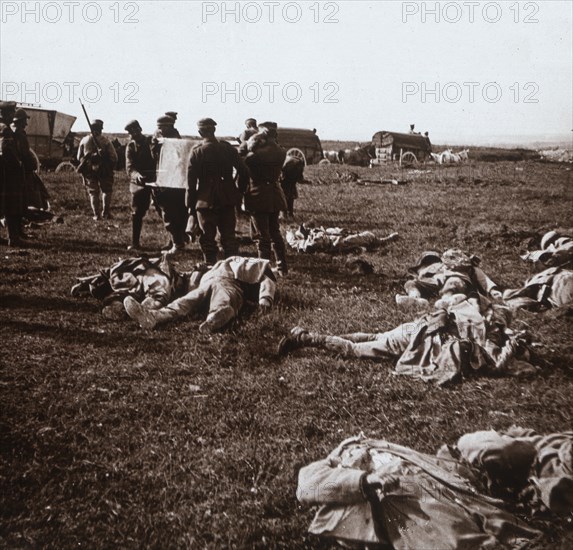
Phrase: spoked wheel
pixel 408 159
pixel 294 152
pixel 324 162
pixel 65 167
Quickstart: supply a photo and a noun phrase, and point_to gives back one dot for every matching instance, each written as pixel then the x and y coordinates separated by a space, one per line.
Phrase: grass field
pixel 114 437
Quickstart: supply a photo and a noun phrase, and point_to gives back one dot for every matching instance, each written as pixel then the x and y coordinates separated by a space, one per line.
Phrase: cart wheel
pixel 65 167
pixel 408 159
pixel 324 162
pixel 39 166
pixel 294 152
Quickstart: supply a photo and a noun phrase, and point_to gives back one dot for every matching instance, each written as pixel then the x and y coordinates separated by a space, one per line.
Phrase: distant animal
pixel 332 156
pixel 436 157
pixel 463 155
pixel 449 157
pixel 359 156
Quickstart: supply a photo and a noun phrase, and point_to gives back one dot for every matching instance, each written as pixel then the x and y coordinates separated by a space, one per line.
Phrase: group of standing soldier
pixel 220 178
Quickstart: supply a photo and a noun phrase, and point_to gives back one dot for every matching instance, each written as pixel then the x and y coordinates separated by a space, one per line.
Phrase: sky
pixel 466 72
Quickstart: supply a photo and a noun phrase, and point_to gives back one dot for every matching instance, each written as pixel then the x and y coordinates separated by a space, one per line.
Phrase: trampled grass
pixel 117 437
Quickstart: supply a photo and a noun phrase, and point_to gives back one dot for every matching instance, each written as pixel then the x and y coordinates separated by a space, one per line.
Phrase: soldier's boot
pixel 13 225
pixel 299 338
pixel 136 225
pixel 94 203
pixel 280 254
pixel 106 206
pixel 148 318
pixel 217 319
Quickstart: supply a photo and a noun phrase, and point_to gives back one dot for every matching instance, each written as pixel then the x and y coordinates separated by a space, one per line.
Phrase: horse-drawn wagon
pixel 50 138
pixel 301 143
pixel 407 149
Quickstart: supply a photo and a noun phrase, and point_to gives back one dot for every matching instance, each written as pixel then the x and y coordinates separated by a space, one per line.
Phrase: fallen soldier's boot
pixel 292 342
pixel 407 302
pixel 146 318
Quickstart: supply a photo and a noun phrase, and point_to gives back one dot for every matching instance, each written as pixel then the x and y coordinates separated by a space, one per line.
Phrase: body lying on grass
pixel 553 286
pixel 153 281
pixel 333 239
pixel 466 334
pixel 223 287
pixel 432 271
pixel 376 493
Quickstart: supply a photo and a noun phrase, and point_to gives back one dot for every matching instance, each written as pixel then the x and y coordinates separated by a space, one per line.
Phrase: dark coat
pixel 211 183
pixel 12 172
pixel 139 160
pixel 265 165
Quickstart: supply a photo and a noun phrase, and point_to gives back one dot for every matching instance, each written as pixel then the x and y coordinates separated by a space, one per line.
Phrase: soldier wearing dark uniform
pixel 212 193
pixel 265 198
pixel 292 173
pixel 250 130
pixel 97 159
pixel 141 169
pixel 171 201
pixel 12 201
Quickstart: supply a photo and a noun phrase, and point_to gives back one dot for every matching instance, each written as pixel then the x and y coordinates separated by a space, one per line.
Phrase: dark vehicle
pixel 407 149
pixel 50 138
pixel 301 143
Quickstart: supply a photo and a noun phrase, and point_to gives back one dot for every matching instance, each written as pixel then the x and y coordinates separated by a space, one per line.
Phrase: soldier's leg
pixel 14 229
pixel 93 191
pixel 180 217
pixel 261 233
pixel 149 318
pixel 226 302
pixel 140 201
pixel 207 220
pixel 226 223
pixel 386 344
pixel 106 186
pixel 278 243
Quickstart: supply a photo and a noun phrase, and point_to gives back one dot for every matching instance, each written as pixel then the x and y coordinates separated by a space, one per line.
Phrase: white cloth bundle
pixel 174 163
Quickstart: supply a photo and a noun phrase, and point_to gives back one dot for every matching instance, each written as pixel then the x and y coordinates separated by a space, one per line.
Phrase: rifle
pixel 90 164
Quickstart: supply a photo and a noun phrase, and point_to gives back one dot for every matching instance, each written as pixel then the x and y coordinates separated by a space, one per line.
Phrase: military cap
pixel 20 114
pixel 251 120
pixel 206 123
pixel 7 105
pixel 97 123
pixel 427 258
pixel 132 125
pixel 165 119
pixel 269 125
pixel 172 114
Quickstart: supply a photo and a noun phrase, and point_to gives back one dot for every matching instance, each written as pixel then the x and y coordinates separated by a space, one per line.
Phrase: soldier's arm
pixel 131 171
pixel 242 171
pixel 322 483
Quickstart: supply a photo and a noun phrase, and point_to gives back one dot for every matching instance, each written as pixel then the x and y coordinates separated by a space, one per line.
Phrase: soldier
pixel 212 193
pixel 97 158
pixel 171 201
pixel 292 173
pixel 166 127
pixel 141 169
pixel 11 176
pixel 250 130
pixel 265 198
